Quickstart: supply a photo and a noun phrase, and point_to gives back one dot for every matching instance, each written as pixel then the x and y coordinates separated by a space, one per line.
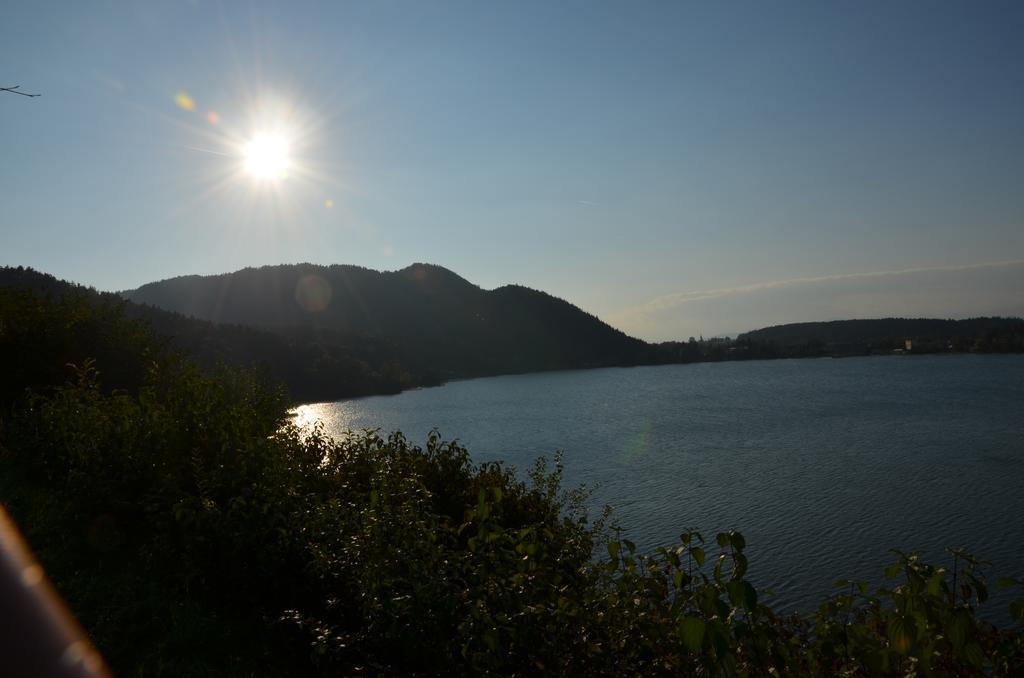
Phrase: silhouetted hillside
pixel 427 312
pixel 312 363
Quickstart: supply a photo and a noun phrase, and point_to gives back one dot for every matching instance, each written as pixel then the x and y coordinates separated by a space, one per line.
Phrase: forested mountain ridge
pixel 446 322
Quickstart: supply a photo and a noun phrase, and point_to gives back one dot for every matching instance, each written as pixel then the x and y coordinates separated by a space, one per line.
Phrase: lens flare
pixel 313 293
pixel 184 101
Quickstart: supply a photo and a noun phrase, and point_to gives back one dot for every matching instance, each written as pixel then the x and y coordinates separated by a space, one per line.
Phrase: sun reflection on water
pixel 334 416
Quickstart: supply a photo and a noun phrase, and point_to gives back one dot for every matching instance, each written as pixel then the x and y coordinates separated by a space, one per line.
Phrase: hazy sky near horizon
pixel 676 168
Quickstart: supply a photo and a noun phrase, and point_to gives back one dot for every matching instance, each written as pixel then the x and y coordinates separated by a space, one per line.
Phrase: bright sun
pixel 267 156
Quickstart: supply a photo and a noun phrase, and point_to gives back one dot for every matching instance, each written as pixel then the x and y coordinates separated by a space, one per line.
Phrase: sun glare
pixel 259 153
pixel 267 156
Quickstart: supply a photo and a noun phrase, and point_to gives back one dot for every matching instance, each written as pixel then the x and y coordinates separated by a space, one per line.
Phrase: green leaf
pixel 723 539
pixel 1017 610
pixel 720 640
pixel 735 590
pixel 698 555
pixel 974 655
pixel 692 631
pixel 613 549
pixel 957 628
pixel 749 596
pixel 935 584
pixel 739 566
pixel 491 640
pixel 629 545
pixel 742 594
pixel 980 588
pixel 738 541
pixel 718 566
pixel 901 633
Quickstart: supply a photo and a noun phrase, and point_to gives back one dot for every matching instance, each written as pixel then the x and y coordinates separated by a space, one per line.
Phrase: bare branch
pixel 13 90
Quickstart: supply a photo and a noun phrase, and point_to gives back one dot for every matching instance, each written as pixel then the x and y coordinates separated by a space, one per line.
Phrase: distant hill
pixel 887 334
pixel 427 312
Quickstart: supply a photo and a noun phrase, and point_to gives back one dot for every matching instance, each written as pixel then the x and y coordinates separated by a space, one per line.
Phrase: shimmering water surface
pixel 824 465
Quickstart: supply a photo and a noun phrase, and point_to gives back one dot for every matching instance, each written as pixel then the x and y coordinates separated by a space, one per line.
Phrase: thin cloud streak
pixel 670 301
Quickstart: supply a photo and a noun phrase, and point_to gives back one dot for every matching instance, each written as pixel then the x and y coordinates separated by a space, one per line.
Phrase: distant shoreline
pixel 296 405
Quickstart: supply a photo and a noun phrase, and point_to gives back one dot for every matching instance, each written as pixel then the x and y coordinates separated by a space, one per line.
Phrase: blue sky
pixel 814 161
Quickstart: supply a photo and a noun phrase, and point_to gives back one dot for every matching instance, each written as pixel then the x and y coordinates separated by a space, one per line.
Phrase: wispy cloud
pixel 670 301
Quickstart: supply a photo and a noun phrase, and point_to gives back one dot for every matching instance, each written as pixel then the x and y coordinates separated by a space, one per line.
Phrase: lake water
pixel 823 464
